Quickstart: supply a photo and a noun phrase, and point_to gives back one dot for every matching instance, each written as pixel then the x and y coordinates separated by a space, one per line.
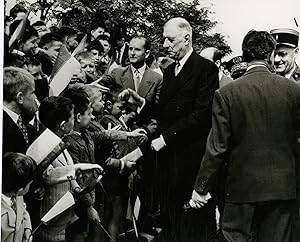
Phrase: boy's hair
pixel 54 110
pixel 85 55
pixel 19 170
pixel 66 31
pixel 92 92
pixel 49 38
pixel 79 99
pixel 15 80
pixel 95 45
pixel 113 95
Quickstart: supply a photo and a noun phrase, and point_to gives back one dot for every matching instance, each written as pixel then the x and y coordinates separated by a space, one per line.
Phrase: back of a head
pixel 19 171
pixel 79 99
pixel 15 80
pixel 54 110
pixel 257 46
pixel 114 92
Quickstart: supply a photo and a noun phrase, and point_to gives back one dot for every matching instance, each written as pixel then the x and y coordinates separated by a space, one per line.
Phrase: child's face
pixel 117 109
pixel 85 118
pixel 23 192
pixel 88 66
pixel 96 56
pixel 97 104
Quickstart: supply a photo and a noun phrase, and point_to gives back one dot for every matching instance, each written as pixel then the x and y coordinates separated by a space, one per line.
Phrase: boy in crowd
pixel 40 79
pixel 19 173
pixel 82 149
pixel 96 49
pixel 88 69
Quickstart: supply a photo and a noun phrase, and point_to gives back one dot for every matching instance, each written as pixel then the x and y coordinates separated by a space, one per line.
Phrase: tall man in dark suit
pixel 254 126
pixel 184 120
pixel 18 98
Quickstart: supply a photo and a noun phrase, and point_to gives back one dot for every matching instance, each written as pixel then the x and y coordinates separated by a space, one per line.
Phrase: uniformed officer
pixel 286 52
pixel 285 64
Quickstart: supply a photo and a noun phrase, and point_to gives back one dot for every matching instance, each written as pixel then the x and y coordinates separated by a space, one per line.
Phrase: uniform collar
pixel 291 73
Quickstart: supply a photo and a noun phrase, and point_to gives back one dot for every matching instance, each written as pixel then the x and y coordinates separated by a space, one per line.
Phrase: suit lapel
pixel 127 78
pixel 172 83
pixel 146 83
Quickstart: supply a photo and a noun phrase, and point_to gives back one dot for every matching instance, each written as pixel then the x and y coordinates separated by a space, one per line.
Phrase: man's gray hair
pixel 182 24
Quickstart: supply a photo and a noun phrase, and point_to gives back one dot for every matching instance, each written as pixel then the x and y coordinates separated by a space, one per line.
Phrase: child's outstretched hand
pixel 136 133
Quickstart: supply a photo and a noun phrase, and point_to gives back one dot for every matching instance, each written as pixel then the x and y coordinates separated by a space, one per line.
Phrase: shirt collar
pixel 185 58
pixel 255 65
pixel 141 69
pixel 14 116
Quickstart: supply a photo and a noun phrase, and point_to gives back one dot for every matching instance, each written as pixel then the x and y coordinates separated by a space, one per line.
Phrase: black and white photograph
pixel 150 120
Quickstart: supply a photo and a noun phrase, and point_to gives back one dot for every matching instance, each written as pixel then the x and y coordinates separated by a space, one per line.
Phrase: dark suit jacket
pixel 149 87
pixel 184 120
pixel 13 140
pixel 254 128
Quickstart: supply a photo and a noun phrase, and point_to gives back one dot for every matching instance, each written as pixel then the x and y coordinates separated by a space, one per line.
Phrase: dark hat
pixel 284 36
pixel 235 60
pixel 238 70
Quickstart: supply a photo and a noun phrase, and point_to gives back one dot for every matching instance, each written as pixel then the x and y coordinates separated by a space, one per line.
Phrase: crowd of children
pixel 96 127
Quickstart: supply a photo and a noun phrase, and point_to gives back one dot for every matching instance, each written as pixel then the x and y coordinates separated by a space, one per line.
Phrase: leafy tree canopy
pixel 130 17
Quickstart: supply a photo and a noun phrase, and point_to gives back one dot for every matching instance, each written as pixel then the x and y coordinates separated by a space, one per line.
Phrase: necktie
pixel 177 65
pixel 137 80
pixel 23 129
pixel 14 203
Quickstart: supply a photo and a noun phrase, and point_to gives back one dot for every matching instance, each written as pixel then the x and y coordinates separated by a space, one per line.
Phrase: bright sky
pixel 237 17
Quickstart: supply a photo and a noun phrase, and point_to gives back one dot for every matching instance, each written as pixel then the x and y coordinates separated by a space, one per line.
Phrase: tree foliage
pixel 130 17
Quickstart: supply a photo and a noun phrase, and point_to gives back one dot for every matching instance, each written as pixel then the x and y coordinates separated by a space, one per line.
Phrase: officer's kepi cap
pixel 284 36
